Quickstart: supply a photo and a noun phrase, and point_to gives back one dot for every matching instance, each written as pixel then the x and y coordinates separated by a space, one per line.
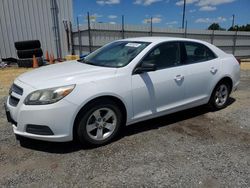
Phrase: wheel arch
pixel 226 79
pixel 116 99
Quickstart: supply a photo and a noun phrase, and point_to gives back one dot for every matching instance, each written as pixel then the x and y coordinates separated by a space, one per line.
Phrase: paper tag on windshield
pixel 134 45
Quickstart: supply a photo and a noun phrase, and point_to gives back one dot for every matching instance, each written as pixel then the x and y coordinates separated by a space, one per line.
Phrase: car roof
pixel 160 39
pixel 157 40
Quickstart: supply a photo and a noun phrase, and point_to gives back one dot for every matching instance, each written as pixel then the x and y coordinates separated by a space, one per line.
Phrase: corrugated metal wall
pixel 29 20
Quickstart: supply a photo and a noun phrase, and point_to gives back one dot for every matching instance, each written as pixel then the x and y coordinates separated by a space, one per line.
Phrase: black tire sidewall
pixel 28 44
pixel 82 134
pixel 24 54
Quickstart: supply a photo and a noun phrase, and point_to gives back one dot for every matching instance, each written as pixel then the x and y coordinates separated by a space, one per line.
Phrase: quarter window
pixel 196 52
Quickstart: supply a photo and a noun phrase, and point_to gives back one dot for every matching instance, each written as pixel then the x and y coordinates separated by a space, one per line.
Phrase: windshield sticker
pixel 134 45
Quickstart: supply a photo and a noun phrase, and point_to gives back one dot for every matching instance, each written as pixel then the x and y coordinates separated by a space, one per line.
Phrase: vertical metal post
pixel 71 38
pixel 233 21
pixel 55 27
pixel 212 37
pixel 235 39
pixel 183 14
pixel 123 32
pixel 89 34
pixel 151 26
pixel 185 35
pixel 66 27
pixel 79 36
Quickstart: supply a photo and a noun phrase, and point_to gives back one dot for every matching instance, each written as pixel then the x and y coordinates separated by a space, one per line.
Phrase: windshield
pixel 116 54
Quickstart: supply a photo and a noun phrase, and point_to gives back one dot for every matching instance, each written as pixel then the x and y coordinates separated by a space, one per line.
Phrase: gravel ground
pixel 193 148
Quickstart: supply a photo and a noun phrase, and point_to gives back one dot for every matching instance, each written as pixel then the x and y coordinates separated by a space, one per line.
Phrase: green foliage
pixel 240 28
pixel 215 26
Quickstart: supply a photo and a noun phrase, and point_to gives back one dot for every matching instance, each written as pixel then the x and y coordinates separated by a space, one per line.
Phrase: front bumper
pixel 58 117
pixel 235 86
pixel 8 116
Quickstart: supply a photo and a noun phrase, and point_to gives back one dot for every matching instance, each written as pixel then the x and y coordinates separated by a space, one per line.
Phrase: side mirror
pixel 146 66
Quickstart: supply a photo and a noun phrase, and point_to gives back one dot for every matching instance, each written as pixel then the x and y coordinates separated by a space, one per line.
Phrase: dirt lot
pixel 194 148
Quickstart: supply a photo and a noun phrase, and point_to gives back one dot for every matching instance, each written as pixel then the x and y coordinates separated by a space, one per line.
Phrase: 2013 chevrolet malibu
pixel 123 82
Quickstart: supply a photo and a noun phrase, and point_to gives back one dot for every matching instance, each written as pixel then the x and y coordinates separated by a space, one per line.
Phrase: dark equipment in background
pixel 26 50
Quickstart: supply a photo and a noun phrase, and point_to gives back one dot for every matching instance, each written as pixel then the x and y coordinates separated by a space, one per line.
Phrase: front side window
pixel 196 52
pixel 116 54
pixel 165 55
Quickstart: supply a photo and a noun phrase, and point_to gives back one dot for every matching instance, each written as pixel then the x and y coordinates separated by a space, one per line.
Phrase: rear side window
pixel 196 52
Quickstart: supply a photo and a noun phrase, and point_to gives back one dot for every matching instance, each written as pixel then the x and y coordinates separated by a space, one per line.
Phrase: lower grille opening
pixel 39 129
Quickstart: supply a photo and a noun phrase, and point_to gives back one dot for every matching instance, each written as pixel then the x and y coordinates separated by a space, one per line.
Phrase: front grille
pixel 16 89
pixel 13 101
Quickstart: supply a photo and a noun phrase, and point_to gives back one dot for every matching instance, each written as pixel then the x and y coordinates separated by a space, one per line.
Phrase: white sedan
pixel 122 83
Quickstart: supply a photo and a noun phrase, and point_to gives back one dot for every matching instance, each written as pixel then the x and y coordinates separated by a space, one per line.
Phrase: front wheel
pixel 100 123
pixel 220 96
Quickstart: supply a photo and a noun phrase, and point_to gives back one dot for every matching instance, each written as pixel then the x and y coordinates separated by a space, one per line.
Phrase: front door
pixel 163 89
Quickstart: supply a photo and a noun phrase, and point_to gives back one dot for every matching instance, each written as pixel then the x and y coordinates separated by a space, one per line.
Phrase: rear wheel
pixel 99 123
pixel 220 96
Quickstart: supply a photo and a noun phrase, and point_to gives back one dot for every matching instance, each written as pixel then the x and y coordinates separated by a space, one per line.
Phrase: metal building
pixel 34 19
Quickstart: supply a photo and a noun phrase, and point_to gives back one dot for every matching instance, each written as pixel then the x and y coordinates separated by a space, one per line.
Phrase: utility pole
pixel 123 35
pixel 183 14
pixel 186 29
pixel 233 20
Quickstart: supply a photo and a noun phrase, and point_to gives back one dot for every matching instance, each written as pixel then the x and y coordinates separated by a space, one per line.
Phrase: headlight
pixel 48 96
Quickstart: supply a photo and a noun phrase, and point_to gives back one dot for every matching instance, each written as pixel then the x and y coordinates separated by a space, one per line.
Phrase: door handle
pixel 179 77
pixel 213 70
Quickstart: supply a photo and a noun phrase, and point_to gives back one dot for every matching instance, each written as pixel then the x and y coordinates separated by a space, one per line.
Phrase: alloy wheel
pixel 221 95
pixel 101 124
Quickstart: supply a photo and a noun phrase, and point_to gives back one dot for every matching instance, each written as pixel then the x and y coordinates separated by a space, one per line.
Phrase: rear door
pixel 202 67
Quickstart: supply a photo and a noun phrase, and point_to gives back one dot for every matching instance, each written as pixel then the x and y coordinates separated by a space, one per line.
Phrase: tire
pixel 93 128
pixel 220 96
pixel 28 44
pixel 23 54
pixel 27 63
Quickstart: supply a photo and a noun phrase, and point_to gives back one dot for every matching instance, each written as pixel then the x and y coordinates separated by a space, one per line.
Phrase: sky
pixel 165 13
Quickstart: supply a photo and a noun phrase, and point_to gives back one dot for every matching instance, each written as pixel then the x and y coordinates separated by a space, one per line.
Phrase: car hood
pixel 71 72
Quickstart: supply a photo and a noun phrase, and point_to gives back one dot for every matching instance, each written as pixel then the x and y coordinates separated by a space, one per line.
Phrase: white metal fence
pixel 87 39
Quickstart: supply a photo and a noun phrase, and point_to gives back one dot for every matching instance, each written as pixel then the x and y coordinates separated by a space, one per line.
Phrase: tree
pixel 215 26
pixel 240 28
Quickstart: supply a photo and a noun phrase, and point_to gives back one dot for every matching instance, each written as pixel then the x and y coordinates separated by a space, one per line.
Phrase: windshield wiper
pixel 86 62
pixel 81 60
pixel 94 64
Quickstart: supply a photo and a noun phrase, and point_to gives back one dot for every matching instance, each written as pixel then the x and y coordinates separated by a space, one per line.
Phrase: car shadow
pixel 166 120
pixel 70 147
pixel 50 147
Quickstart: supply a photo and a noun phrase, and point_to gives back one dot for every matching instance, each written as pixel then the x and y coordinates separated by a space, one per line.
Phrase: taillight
pixel 238 59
